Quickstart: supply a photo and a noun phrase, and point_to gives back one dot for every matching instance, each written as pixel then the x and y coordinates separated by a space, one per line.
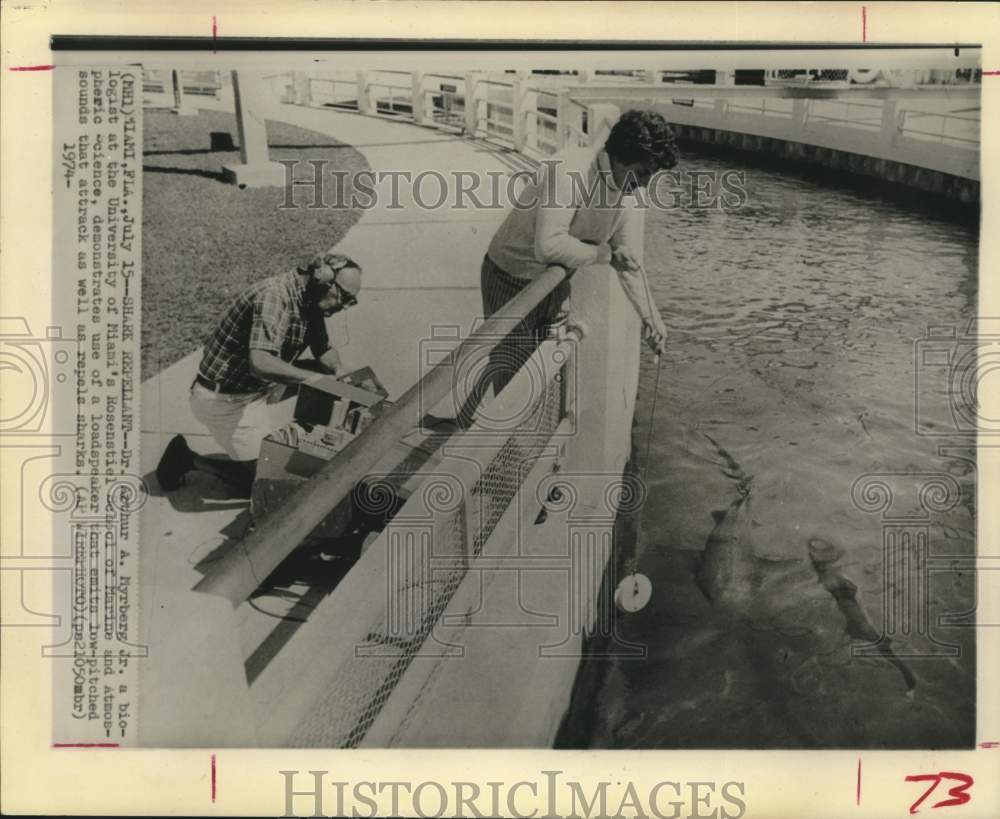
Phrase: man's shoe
pixel 177 459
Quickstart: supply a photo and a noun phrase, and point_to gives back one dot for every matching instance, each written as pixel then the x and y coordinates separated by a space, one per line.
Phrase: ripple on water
pixel 792 328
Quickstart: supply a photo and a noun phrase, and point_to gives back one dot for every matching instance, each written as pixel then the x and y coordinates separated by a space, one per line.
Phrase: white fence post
pixel 419 101
pixel 890 127
pixel 563 106
pixel 363 101
pixel 600 118
pixel 800 112
pixel 302 93
pixel 255 168
pixel 471 104
pixel 181 104
pixel 517 113
pixel 530 110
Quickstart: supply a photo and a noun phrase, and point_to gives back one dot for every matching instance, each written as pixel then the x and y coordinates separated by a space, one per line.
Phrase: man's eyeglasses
pixel 345 297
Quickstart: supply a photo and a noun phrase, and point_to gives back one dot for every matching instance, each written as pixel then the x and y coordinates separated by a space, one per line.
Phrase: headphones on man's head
pixel 334 261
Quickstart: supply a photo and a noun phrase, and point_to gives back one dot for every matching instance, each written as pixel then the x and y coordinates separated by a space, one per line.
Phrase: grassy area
pixel 204 240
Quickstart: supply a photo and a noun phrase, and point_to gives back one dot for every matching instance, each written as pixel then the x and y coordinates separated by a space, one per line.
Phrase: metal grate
pixel 365 681
pixel 418 588
pixel 493 492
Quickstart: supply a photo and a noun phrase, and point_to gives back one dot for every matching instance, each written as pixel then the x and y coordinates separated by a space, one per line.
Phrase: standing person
pixel 250 354
pixel 580 209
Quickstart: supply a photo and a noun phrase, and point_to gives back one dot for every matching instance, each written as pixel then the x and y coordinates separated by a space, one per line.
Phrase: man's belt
pixel 214 387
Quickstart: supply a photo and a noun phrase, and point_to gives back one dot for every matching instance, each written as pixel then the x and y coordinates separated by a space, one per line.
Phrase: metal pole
pixel 242 570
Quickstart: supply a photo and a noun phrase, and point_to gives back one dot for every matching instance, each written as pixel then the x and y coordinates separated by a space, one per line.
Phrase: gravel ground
pixel 204 240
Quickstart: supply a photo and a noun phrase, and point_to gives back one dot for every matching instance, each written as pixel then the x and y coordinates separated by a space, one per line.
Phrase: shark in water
pixel 744 651
pixel 746 587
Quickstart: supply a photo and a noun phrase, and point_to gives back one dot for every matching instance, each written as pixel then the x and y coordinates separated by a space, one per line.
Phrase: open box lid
pixel 329 385
pixel 366 379
pixel 315 402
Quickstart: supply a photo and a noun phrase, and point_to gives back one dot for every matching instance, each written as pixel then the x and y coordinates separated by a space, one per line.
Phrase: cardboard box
pixel 319 431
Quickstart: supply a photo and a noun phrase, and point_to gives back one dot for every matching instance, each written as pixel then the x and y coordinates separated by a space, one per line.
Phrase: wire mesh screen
pixel 419 585
pixel 361 686
pixel 493 492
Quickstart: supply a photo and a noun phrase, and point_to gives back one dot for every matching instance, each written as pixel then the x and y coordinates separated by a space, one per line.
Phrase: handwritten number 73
pixel 959 794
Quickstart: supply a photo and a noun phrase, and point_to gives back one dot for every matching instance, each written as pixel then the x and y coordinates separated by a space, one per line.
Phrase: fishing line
pixel 635 590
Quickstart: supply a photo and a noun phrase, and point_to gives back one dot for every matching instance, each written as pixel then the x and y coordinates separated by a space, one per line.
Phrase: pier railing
pixel 539 115
pixel 932 127
pixel 471 510
pixel 533 114
pixel 466 511
pixel 237 575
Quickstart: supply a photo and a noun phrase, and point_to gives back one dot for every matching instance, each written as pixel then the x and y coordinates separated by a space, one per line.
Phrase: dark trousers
pixel 498 287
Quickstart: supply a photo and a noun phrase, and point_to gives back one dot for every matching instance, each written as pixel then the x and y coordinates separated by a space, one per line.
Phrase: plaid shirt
pixel 272 315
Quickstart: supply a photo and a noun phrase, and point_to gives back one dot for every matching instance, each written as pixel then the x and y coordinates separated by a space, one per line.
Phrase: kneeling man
pixel 250 355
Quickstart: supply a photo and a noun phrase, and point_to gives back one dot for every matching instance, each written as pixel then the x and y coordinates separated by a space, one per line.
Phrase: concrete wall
pixel 958 188
pixel 521 628
pixel 876 145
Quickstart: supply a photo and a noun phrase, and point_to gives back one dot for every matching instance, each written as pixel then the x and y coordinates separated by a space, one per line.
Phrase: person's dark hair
pixel 643 136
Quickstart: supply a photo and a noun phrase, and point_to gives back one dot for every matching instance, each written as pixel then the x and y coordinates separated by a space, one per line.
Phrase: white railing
pixel 533 114
pixel 328 88
pixel 403 100
pixel 854 114
pixel 168 88
pixel 763 107
pixel 940 127
pixel 451 108
pixel 539 115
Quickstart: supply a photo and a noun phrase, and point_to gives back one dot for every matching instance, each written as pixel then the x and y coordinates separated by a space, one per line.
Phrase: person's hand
pixel 624 260
pixel 654 332
pixel 331 363
pixel 603 251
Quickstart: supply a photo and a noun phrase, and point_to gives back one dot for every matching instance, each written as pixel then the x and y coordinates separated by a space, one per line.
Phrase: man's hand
pixel 330 362
pixel 624 260
pixel 655 334
pixel 269 367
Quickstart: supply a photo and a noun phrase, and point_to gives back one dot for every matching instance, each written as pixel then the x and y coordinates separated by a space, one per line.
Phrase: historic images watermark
pixel 952 367
pixel 313 185
pixel 500 535
pixel 445 577
pixel 547 796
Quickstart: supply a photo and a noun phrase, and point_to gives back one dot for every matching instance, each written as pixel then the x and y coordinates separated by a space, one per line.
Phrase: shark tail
pixel 733 469
pixel 745 485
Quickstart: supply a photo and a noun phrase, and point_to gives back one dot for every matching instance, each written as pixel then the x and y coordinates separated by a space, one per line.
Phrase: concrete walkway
pixel 421 273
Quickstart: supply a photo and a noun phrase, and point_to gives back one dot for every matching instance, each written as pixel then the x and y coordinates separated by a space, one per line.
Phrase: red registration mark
pixel 959 794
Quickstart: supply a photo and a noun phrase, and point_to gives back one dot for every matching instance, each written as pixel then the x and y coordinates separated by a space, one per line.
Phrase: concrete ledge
pixel 931 181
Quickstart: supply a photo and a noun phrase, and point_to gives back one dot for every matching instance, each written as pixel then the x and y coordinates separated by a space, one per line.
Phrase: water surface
pixel 793 324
